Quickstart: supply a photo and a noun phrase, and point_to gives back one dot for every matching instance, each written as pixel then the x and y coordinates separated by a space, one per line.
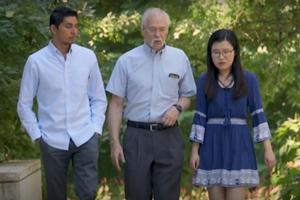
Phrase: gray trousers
pixel 84 167
pixel 154 162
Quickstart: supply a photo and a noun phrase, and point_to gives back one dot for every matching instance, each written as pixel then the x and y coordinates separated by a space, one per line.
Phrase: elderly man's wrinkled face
pixel 155 30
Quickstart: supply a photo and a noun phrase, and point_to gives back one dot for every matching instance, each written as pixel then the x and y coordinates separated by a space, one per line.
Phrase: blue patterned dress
pixel 227 156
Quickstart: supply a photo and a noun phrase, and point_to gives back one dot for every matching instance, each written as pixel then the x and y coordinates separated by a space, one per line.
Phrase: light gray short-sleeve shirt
pixel 151 82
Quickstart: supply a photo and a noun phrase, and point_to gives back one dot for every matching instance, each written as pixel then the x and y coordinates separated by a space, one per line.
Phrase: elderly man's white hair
pixel 151 11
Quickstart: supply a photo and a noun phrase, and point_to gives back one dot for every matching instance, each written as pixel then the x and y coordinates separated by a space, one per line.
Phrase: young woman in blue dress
pixel 222 155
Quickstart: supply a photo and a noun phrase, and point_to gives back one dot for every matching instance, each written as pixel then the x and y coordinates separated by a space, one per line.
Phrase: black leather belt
pixel 149 126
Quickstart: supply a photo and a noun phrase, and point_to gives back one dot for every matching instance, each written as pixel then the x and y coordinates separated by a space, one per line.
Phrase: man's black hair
pixel 59 13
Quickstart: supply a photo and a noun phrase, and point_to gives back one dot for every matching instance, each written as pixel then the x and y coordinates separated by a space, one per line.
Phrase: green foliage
pixel 268 31
pixel 21 32
pixel 287 175
pixel 108 35
pixel 185 124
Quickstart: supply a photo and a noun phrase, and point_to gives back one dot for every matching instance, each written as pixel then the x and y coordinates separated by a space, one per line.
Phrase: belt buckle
pixel 152 127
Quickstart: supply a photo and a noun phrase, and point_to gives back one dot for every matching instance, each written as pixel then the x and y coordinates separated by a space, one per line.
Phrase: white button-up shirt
pixel 151 82
pixel 70 95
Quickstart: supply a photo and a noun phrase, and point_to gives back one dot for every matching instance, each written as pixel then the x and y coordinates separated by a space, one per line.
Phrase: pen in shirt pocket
pixel 175 76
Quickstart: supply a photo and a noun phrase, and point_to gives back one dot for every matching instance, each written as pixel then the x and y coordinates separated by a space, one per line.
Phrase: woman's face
pixel 222 54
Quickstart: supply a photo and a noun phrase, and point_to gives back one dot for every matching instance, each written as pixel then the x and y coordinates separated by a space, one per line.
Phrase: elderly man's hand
pixel 170 117
pixel 116 154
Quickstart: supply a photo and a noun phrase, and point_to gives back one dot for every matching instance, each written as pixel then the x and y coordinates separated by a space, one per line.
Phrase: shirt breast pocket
pixel 170 86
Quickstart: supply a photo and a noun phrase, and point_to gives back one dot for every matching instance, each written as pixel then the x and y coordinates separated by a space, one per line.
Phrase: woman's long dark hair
pixel 240 86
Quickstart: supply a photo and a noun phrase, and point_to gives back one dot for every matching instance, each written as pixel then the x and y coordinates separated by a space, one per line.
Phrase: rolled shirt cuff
pixel 197 133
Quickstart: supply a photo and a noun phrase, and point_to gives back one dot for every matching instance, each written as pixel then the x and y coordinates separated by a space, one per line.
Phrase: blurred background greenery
pixel 269 34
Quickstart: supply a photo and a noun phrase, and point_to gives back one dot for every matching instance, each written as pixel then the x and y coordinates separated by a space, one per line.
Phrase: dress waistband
pixel 235 121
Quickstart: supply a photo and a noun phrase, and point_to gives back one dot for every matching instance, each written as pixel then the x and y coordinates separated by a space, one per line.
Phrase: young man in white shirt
pixel 66 81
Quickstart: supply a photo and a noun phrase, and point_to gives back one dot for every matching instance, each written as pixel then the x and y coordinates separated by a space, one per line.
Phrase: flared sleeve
pixel 261 130
pixel 199 121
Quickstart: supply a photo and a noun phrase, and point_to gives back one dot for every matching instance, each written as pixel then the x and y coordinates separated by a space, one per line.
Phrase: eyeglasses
pixel 225 53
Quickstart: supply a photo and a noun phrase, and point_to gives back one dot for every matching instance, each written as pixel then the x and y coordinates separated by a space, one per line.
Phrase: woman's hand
pixel 195 158
pixel 270 160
